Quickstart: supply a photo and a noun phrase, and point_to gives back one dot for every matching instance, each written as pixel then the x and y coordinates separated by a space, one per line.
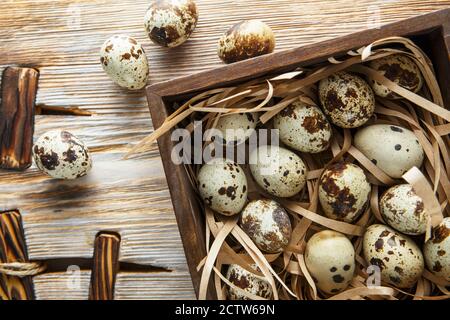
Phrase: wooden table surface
pixel 62 39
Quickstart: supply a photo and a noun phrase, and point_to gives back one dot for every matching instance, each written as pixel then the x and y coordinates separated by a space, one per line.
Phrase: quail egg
pixel 330 259
pixel 267 224
pixel 400 69
pixel 223 186
pixel 398 258
pixel 344 191
pixel 437 250
pixel 303 127
pixel 247 281
pixel 125 62
pixel 169 23
pixel 404 210
pixel 278 171
pixel 346 99
pixel 247 39
pixel 391 148
pixel 61 155
pixel 238 127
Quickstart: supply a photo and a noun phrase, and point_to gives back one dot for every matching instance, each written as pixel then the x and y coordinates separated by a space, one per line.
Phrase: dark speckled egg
pixel 244 40
pixel 397 257
pixel 343 191
pixel 437 250
pixel 62 155
pixel 400 69
pixel 303 127
pixel 169 23
pixel 404 210
pixel 267 224
pixel 248 282
pixel 223 186
pixel 125 62
pixel 347 99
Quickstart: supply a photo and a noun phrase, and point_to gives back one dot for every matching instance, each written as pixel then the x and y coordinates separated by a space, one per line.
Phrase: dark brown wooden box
pixel 431 32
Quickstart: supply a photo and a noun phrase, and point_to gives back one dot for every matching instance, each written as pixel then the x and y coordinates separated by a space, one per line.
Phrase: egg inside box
pixel 307 264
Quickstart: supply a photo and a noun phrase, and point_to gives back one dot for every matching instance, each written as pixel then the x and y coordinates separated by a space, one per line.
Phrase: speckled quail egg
pixel 278 171
pixel 344 191
pixel 400 69
pixel 391 148
pixel 330 259
pixel 398 257
pixel 125 62
pixel 303 128
pixel 61 155
pixel 437 250
pixel 238 127
pixel 223 186
pixel 169 23
pixel 267 224
pixel 247 281
pixel 404 210
pixel 346 99
pixel 246 39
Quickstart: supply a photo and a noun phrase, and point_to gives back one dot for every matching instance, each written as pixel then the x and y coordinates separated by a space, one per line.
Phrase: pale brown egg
pixel 330 259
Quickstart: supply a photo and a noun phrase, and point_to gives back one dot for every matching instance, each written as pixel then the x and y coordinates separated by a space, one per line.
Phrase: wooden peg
pixel 19 87
pixel 106 266
pixel 13 249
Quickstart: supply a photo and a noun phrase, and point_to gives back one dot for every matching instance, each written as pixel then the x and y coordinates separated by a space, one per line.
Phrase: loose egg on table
pixel 398 258
pixel 400 69
pixel 346 99
pixel 238 127
pixel 169 23
pixel 404 210
pixel 330 259
pixel 267 224
pixel 248 282
pixel 391 148
pixel 61 155
pixel 223 186
pixel 343 191
pixel 303 127
pixel 125 62
pixel 437 250
pixel 247 39
pixel 278 171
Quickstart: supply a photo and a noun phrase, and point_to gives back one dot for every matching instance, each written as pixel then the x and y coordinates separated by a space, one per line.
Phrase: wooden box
pixel 431 32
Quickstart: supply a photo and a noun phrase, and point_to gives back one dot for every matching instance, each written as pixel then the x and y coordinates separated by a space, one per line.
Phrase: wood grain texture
pixel 19 87
pixel 105 268
pixel 62 39
pixel 129 286
pixel 13 249
pixel 62 285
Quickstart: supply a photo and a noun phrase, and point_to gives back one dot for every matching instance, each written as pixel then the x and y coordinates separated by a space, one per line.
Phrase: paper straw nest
pixel 423 113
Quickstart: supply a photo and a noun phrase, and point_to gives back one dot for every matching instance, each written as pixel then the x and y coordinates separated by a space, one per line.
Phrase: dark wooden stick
pixel 19 87
pixel 106 266
pixel 13 249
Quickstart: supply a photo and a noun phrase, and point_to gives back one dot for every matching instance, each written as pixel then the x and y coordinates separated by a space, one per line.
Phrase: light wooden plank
pixel 138 286
pixel 62 285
